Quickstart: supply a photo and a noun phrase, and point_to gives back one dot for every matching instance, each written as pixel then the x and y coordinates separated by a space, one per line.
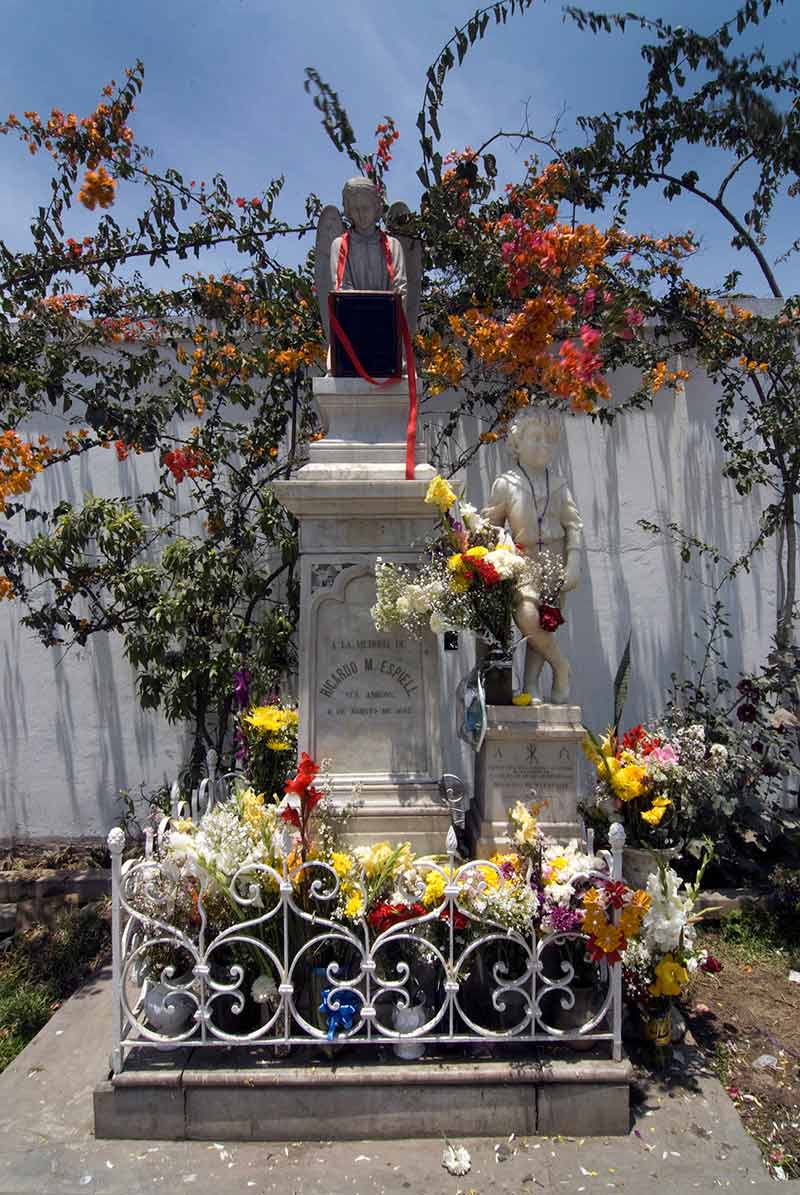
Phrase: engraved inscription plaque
pixel 514 767
pixel 368 689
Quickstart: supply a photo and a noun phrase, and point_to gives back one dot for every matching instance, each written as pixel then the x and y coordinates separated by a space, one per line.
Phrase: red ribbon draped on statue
pixel 411 426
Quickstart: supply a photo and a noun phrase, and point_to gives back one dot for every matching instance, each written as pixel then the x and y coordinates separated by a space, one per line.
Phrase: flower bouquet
pixel 469 580
pixel 649 778
pixel 657 964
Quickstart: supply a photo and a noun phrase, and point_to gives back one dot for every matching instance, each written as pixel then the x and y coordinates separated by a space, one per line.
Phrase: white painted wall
pixel 72 734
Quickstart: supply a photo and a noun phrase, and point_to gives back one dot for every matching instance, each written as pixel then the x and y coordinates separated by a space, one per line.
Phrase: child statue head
pixel 534 438
pixel 362 204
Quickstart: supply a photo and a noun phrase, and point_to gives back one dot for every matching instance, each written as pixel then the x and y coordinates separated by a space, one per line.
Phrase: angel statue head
pixel 371 259
pixel 362 204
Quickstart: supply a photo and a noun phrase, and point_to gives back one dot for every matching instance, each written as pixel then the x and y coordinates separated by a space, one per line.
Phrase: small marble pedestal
pixel 369 700
pixel 527 747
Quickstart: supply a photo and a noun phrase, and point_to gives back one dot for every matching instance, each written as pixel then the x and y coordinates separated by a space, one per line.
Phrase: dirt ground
pixel 72 856
pixel 747 1021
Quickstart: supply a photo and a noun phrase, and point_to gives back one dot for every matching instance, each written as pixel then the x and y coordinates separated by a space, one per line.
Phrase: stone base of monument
pixel 246 1096
pixel 369 700
pixel 527 749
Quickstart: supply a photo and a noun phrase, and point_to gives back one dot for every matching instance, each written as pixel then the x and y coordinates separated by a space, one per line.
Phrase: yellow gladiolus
pixel 654 814
pixel 670 978
pixel 440 494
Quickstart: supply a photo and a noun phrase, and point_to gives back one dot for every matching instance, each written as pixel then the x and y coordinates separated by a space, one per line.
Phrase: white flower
pixel 718 754
pixel 438 624
pixel 506 563
pixel 782 717
pixel 471 519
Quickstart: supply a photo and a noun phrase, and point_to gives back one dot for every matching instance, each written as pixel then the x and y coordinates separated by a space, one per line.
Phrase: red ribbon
pixel 411 426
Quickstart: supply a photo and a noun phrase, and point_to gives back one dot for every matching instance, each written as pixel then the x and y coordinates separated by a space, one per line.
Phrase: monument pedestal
pixel 369 700
pixel 527 747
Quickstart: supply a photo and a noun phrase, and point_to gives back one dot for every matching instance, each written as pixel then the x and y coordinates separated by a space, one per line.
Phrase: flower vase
pixel 639 864
pixel 168 1011
pixel 657 1032
pixel 498 676
pixel 406 1020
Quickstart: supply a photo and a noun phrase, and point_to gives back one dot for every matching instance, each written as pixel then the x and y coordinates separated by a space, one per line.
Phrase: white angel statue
pixel 363 256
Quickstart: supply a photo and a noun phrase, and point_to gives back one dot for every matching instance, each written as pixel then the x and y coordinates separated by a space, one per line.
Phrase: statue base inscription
pixel 528 748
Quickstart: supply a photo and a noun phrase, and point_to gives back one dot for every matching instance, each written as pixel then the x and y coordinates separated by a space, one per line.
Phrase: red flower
pixel 710 964
pixel 487 572
pixel 597 955
pixel 122 450
pixel 385 915
pixel 615 891
pixel 459 920
pixel 306 771
pixel 240 202
pixel 550 617
pixel 292 817
pixel 746 712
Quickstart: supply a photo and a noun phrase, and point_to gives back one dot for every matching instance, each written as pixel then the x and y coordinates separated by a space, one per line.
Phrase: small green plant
pixel 42 968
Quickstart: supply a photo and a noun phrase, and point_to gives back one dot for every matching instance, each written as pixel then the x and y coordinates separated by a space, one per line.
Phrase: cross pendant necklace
pixel 540 515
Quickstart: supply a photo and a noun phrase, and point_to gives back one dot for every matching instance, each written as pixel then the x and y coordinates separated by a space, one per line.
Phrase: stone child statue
pixel 366 266
pixel 542 516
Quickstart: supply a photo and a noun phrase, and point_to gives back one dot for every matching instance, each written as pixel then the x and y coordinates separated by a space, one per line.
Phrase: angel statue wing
pixel 329 228
pixel 396 225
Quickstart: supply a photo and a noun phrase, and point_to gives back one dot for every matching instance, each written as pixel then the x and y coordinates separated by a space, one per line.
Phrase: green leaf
pixel 621 684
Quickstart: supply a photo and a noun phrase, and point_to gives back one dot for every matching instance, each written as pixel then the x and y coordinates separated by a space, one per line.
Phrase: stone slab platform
pixel 49 1144
pixel 187 1099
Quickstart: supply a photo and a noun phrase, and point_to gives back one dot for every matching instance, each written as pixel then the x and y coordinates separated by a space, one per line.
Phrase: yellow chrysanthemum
pixel 354 905
pixel 459 584
pixel 641 900
pixel 654 814
pixel 440 494
pixel 342 863
pixel 455 563
pixel 629 782
pixel 477 553
pixel 558 864
pixel 434 890
pixel 272 719
pixel 670 978
pixel 592 897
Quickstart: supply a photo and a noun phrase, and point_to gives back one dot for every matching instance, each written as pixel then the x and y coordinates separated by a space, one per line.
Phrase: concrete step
pixel 195 1099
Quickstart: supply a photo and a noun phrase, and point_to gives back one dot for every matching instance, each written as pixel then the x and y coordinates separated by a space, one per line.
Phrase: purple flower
pixel 241 687
pixel 747 712
pixel 240 743
pixel 563 921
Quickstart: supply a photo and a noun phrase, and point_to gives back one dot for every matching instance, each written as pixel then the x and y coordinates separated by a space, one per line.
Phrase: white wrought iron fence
pixel 285 973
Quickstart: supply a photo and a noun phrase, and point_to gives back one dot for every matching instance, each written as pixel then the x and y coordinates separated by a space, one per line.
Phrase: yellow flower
pixel 455 563
pixel 608 938
pixel 354 905
pixel 253 811
pixel 184 825
pixel 440 494
pixel 522 699
pixel 477 553
pixel 459 584
pixel 377 858
pixel 629 782
pixel 434 890
pixel 591 897
pixel 342 863
pixel 670 978
pixel 630 921
pixel 654 814
pixel 490 876
pixel 272 718
pixel 594 920
pixel 499 860
pixel 641 900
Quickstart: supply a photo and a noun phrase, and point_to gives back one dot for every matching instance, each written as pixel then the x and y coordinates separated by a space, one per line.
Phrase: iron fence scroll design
pixel 284 971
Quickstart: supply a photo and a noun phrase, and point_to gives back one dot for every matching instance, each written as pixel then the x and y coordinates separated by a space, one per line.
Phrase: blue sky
pixel 224 91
